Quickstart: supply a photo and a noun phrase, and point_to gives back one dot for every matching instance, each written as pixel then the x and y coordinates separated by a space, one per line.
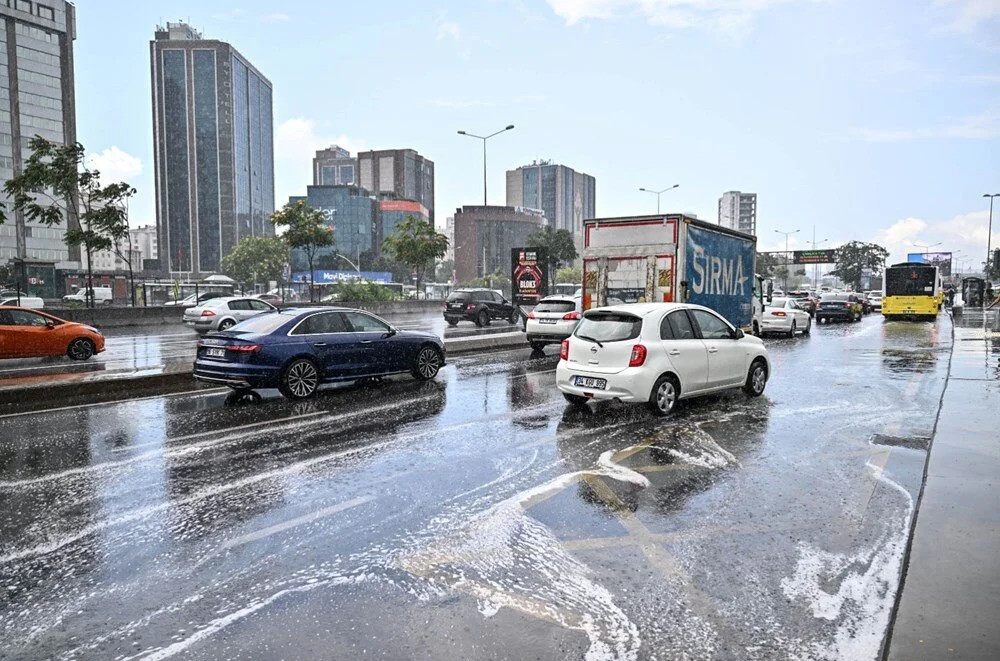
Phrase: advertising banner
pixel 527 275
pixel 719 273
pixel 323 277
pixel 942 260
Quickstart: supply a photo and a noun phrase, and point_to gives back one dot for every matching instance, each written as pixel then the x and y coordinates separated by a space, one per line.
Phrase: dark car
pixel 805 300
pixel 480 306
pixel 295 350
pixel 838 307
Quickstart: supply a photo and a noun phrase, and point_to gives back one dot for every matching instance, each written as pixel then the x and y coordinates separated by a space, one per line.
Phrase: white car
pixel 875 300
pixel 658 353
pixel 785 315
pixel 102 296
pixel 33 302
pixel 552 320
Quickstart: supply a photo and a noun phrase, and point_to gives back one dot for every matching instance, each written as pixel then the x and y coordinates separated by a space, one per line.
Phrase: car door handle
pixel 320 344
pixel 713 349
pixel 366 341
pixel 674 352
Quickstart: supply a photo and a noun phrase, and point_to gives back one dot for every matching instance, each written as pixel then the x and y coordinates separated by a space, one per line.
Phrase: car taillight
pixel 778 313
pixel 531 315
pixel 847 305
pixel 638 356
pixel 244 348
pixel 564 350
pixel 207 313
pixel 571 316
pixel 470 306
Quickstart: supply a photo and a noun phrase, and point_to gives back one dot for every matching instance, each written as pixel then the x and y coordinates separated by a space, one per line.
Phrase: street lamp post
pixel 787 234
pixel 989 233
pixel 484 138
pixel 926 247
pixel 658 193
pixel 812 246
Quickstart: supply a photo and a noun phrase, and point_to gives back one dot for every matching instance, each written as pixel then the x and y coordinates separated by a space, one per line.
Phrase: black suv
pixel 480 306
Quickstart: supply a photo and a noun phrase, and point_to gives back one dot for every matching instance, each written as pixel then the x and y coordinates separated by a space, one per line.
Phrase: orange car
pixel 26 333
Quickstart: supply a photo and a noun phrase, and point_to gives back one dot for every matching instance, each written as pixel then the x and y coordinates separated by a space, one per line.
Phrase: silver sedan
pixel 224 313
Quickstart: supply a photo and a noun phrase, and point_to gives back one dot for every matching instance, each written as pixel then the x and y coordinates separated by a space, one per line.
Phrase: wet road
pixel 160 347
pixel 477 516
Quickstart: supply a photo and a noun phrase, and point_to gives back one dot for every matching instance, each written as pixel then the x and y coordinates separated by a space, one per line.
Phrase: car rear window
pixel 834 297
pixel 459 296
pixel 609 327
pixel 555 306
pixel 265 323
pixel 778 302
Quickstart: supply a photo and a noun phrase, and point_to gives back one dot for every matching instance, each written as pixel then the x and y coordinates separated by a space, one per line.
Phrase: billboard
pixel 719 273
pixel 826 256
pixel 321 277
pixel 527 275
pixel 942 260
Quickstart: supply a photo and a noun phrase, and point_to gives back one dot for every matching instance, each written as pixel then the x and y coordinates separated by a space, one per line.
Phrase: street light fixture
pixel 658 193
pixel 926 247
pixel 787 234
pixel 989 232
pixel 484 138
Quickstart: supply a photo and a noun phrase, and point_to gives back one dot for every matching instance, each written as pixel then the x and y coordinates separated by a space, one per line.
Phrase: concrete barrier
pixel 116 317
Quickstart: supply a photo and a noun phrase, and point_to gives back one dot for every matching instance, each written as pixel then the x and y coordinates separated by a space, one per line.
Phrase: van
pixel 32 302
pixel 102 296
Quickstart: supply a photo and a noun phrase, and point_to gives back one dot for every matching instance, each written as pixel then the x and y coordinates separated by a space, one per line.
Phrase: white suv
pixel 552 320
pixel 658 353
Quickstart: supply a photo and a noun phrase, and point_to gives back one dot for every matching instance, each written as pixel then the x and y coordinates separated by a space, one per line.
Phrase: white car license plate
pixel 212 352
pixel 588 382
pixel 546 321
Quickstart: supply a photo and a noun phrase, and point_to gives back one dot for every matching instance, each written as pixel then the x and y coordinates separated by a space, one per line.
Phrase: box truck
pixel 672 258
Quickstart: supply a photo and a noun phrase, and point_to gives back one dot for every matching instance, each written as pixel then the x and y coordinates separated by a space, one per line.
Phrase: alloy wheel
pixel 302 379
pixel 80 349
pixel 758 379
pixel 666 396
pixel 428 363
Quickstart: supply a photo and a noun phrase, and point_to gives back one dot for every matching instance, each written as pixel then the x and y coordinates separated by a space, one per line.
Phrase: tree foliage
pixel 768 264
pixel 256 259
pixel 496 280
pixel 561 248
pixel 572 274
pixel 854 256
pixel 305 230
pixel 55 185
pixel 415 242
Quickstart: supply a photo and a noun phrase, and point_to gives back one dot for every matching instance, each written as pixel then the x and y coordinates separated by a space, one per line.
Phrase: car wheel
pixel 483 319
pixel 226 324
pixel 452 322
pixel 808 327
pixel 427 364
pixel 80 349
pixel 577 401
pixel 791 331
pixel 300 379
pixel 537 346
pixel 756 379
pixel 663 397
pixel 514 316
pixel 756 329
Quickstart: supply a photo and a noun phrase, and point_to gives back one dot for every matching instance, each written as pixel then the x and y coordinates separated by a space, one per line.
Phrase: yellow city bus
pixel 912 291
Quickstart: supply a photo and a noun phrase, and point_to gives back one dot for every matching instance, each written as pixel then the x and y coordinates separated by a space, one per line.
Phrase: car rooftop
pixel 642 309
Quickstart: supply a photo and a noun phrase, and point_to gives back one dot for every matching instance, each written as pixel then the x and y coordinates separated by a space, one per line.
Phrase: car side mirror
pixel 392 331
pixel 50 325
pixel 740 334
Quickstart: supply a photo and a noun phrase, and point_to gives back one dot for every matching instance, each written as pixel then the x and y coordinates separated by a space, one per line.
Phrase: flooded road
pixel 477 516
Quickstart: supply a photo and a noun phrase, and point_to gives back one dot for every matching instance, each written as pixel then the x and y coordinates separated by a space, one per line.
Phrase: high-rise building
pixel 485 235
pixel 564 195
pixel 145 240
pixel 213 149
pixel 352 212
pixel 334 166
pixel 738 211
pixel 449 231
pixel 36 98
pixel 402 172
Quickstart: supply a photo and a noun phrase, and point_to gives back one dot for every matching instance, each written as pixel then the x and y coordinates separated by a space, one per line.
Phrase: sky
pixel 853 119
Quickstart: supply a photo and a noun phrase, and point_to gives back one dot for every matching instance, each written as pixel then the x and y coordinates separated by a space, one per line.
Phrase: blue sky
pixel 868 120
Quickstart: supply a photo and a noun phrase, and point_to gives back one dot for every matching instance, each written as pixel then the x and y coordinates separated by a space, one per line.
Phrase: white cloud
pixel 984 126
pixel 970 14
pixel 115 165
pixel 277 17
pixel 964 235
pixel 448 30
pixel 296 141
pixel 729 17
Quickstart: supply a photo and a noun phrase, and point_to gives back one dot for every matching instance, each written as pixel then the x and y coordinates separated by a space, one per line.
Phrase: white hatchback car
pixel 785 315
pixel 658 353
pixel 552 320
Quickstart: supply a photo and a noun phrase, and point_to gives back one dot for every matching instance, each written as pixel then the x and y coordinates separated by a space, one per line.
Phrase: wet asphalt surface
pixel 156 348
pixel 476 516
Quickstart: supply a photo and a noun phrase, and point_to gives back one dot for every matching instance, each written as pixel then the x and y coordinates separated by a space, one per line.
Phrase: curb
pixel 127 385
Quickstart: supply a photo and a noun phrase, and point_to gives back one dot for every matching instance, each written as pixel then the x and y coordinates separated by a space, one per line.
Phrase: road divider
pixel 32 393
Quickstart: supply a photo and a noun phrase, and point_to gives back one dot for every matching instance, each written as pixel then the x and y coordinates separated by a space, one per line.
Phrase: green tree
pixel 55 184
pixel 305 230
pixel 115 226
pixel 767 264
pixel 561 249
pixel 414 242
pixel 256 258
pixel 854 256
pixel 572 274
pixel 444 270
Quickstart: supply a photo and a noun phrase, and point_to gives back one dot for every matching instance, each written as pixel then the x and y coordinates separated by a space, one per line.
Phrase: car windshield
pixel 262 324
pixel 609 327
pixel 555 306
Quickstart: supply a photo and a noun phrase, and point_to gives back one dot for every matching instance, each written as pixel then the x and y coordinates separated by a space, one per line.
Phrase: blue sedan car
pixel 295 350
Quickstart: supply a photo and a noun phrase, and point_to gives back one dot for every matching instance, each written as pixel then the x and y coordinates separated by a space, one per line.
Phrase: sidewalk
pixel 950 603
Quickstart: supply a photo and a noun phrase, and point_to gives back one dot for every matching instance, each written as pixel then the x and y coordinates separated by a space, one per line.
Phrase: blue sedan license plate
pixel 588 382
pixel 215 353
